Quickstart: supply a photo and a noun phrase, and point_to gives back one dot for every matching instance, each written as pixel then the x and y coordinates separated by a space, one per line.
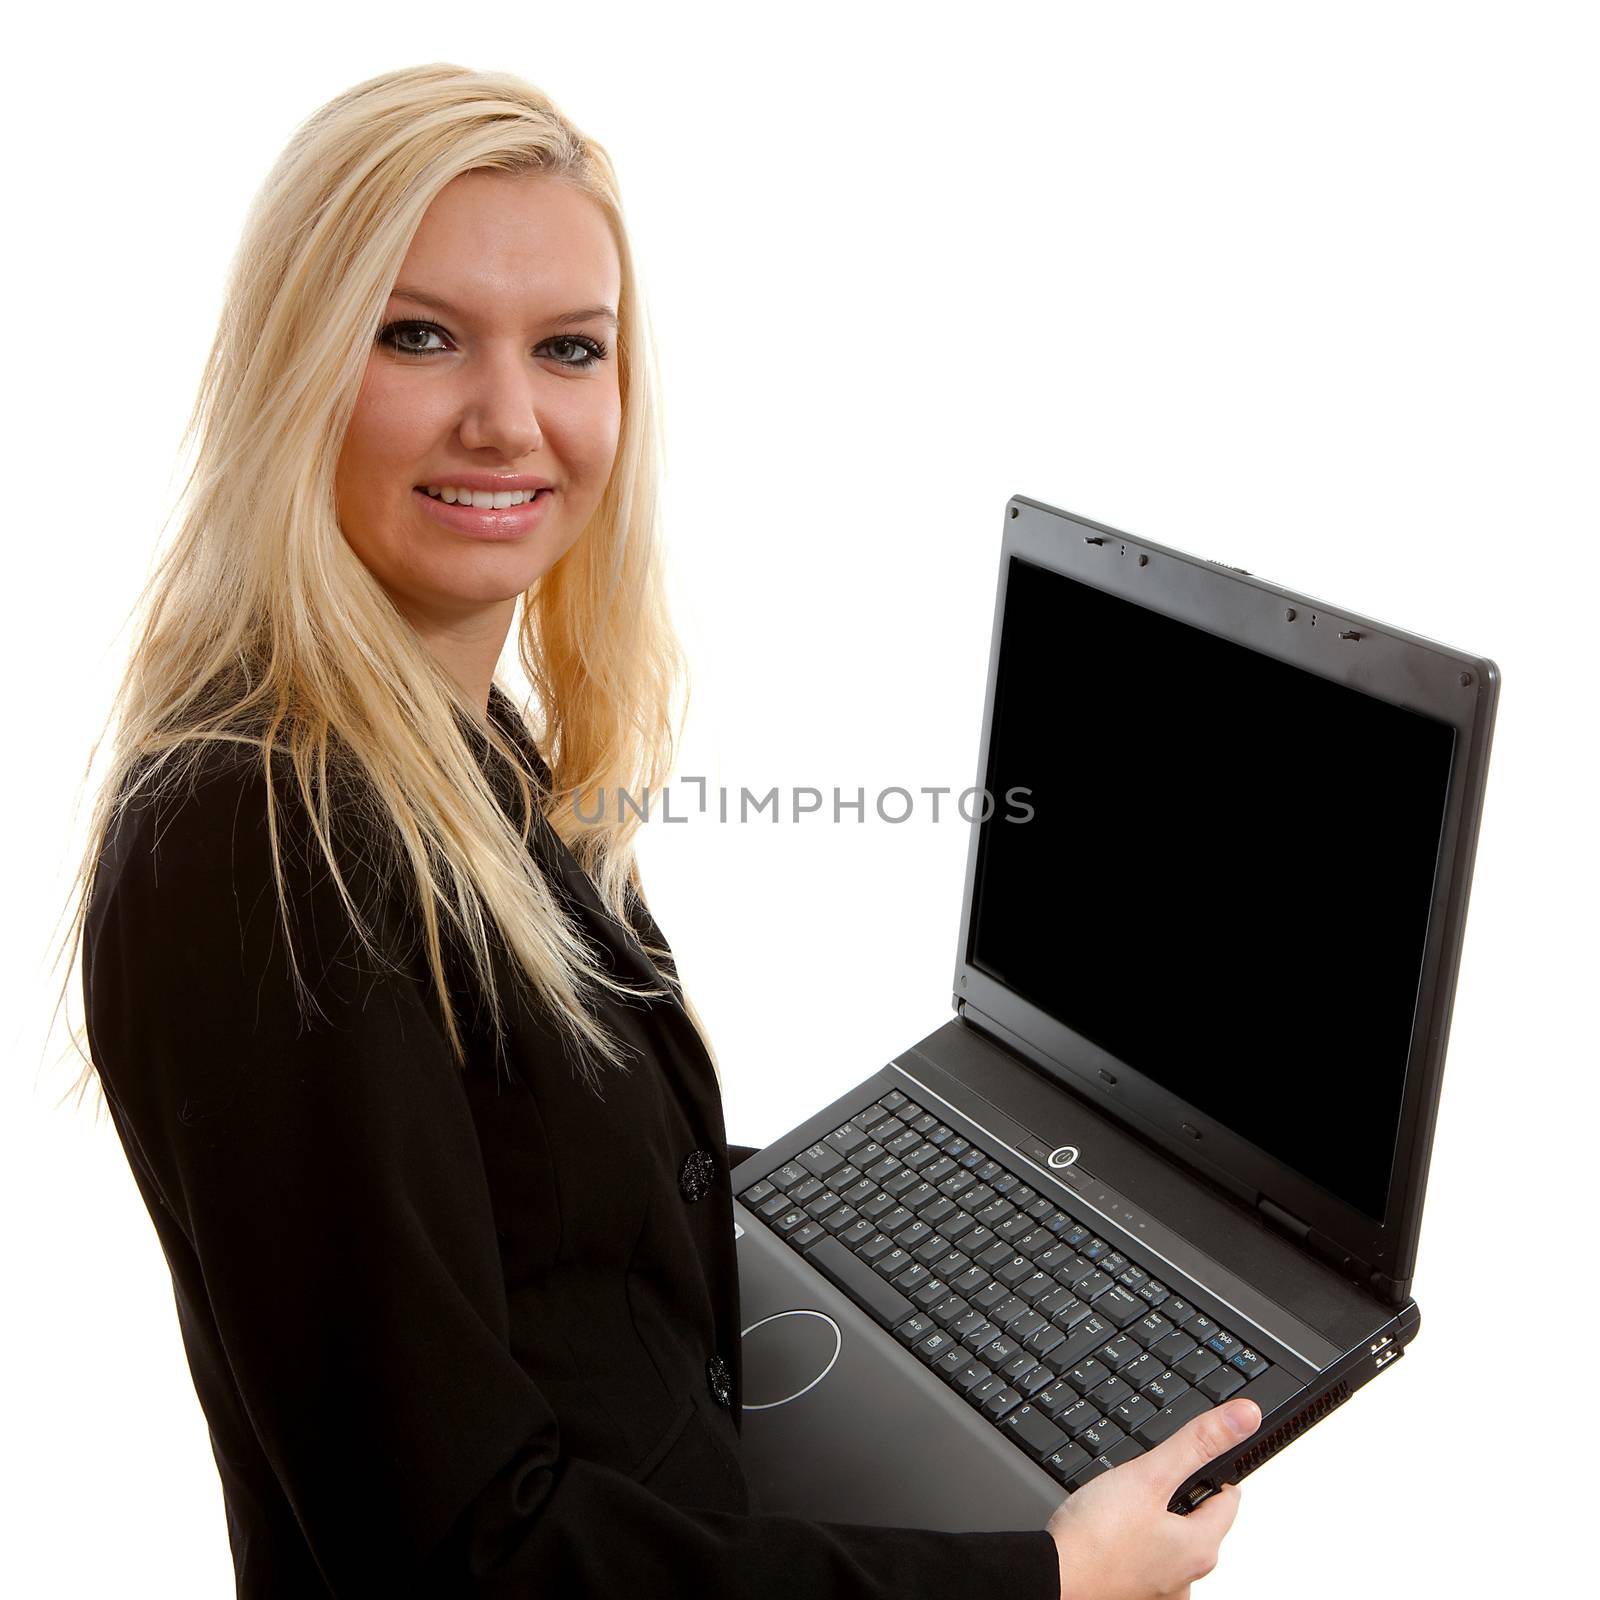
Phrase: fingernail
pixel 1244 1417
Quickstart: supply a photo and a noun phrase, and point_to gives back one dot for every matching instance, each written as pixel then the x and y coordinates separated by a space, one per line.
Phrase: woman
pixel 427 1127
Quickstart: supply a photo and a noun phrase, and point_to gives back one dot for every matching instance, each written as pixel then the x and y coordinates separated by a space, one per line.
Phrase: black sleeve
pixel 328 1178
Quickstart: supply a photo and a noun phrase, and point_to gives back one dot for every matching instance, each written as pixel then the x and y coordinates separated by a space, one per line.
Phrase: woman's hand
pixel 1117 1540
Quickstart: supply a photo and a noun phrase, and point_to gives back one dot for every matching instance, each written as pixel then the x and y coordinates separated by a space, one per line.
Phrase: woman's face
pixel 497 358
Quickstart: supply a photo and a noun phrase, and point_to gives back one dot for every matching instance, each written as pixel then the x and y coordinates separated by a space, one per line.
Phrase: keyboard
pixel 1081 1356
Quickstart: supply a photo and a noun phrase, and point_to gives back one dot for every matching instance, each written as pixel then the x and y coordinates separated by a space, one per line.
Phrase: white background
pixel 1309 290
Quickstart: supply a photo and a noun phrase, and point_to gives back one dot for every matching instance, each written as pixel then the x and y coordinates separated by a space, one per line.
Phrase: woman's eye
pixel 406 338
pixel 398 334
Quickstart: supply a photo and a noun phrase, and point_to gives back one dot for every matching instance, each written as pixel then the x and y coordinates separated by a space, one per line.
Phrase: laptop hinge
pixel 1320 1245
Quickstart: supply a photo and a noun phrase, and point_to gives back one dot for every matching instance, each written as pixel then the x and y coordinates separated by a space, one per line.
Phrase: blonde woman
pixel 429 1131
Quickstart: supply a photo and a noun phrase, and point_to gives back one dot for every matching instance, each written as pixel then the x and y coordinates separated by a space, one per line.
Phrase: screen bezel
pixel 1383 661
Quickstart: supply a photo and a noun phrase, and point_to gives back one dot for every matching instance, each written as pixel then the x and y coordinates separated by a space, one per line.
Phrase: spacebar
pixel 850 1273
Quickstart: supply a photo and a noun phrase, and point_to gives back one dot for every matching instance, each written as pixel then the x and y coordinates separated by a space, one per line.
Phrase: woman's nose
pixel 502 413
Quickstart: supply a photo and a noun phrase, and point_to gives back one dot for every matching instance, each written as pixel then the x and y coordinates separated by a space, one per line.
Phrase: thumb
pixel 1200 1440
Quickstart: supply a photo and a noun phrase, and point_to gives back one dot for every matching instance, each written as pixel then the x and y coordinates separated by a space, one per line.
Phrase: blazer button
pixel 694 1180
pixel 720 1381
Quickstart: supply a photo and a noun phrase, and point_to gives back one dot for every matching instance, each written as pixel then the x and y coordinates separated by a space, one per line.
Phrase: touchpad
pixel 786 1354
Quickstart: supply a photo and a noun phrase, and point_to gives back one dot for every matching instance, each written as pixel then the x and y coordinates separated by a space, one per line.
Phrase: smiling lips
pixel 483 499
pixel 509 514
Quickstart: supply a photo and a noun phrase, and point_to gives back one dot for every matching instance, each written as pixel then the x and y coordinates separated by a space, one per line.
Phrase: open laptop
pixel 1172 1146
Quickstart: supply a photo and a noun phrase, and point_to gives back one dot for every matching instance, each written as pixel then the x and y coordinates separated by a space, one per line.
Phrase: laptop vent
pixel 1290 1430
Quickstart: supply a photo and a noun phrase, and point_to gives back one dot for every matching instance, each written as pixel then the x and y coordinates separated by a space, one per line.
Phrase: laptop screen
pixel 1226 878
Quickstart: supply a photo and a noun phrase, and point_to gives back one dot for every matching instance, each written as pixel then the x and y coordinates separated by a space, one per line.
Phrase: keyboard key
pixel 1087 1375
pixel 1014 1271
pixel 893 1262
pixel 1164 1389
pixel 1138 1372
pixel 1085 1474
pixel 957 1228
pixel 1099 1437
pixel 1045 1339
pixel 1076 1417
pixel 756 1193
pixel 937 1344
pixel 1000 1350
pixel 981 1391
pixel 1174 1347
pixel 915 1327
pixel 1035 1432
pixel 1118 1306
pixel 1035 1381
pixel 1194 1366
pixel 806 1233
pixel 1029 1322
pixel 1001 1402
pixel 860 1283
pixel 1064 1464
pixel 846 1139
pixel 978 1337
pixel 820 1160
pixel 1109 1395
pixel 968 1282
pixel 1249 1363
pixel 1123 1450
pixel 1222 1383
pixel 969 1377
pixel 1087 1336
pixel 1132 1412
pixel 1151 1328
pixel 842 1218
pixel 1223 1344
pixel 1118 1352
pixel 1170 1418
pixel 1178 1312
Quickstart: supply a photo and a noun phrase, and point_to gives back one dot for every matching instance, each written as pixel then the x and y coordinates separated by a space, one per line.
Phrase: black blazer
pixel 453 1333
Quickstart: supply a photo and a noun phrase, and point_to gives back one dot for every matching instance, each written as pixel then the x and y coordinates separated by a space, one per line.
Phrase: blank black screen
pixel 1226 879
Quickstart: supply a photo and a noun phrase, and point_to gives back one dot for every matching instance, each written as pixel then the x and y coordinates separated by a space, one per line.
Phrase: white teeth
pixel 480 498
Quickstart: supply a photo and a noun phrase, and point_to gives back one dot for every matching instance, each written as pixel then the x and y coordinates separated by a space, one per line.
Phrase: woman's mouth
pixel 506 521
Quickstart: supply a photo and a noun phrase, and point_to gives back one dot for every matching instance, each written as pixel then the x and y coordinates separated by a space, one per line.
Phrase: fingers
pixel 1200 1440
pixel 1214 1515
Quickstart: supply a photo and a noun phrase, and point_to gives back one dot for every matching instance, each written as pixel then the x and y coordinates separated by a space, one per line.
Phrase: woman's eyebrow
pixel 565 319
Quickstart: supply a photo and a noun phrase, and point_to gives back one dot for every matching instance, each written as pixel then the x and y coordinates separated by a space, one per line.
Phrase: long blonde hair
pixel 261 627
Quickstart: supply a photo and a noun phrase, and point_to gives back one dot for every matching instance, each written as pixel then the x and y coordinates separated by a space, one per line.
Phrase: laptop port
pixel 1379 1345
pixel 1201 1491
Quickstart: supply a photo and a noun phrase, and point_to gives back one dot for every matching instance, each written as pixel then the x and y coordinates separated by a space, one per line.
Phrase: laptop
pixel 1172 1145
